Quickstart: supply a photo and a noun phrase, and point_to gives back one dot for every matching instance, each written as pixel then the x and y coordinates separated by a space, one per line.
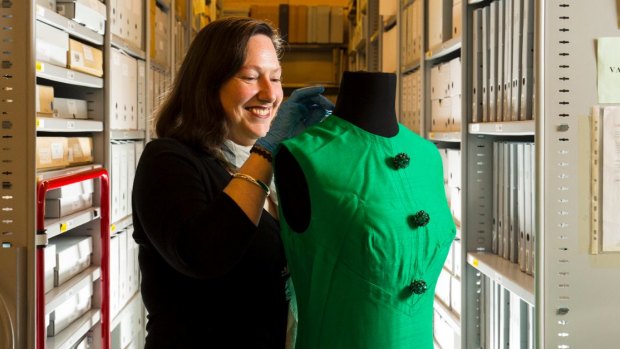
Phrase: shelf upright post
pixel 17 171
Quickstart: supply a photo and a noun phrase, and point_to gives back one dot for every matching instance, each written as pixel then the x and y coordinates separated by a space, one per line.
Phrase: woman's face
pixel 252 96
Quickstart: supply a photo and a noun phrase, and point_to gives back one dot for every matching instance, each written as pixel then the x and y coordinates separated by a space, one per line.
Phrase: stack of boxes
pixel 448 289
pixel 446 96
pixel 301 24
pixel 71 255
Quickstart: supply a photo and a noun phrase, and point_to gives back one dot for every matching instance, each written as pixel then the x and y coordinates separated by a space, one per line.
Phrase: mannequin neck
pixel 367 101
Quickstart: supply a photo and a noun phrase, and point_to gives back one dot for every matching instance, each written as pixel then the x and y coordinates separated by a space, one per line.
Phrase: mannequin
pixel 365 100
pixel 365 223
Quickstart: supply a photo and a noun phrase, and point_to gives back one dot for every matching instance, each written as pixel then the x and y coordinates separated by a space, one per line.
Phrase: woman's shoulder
pixel 161 148
pixel 168 145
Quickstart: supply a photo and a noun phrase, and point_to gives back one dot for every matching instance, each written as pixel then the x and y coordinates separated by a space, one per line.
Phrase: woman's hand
pixel 304 108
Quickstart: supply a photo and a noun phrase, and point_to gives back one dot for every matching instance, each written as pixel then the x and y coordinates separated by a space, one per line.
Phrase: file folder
pixel 521 205
pixel 492 61
pixel 507 60
pixel 527 61
pixel 485 62
pixel 476 106
pixel 517 29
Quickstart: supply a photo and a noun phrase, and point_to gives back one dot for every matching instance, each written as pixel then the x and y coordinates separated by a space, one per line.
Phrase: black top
pixel 210 277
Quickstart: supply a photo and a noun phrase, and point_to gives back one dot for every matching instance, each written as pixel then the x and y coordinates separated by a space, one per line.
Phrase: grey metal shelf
pixel 72 27
pixel 408 68
pixel 313 47
pixel 127 134
pixel 120 224
pixel 65 171
pixel 70 335
pixel 67 76
pixel 453 137
pixel 127 47
pixel 511 128
pixel 505 273
pixel 57 226
pixel 58 295
pixel 443 49
pixel 453 319
pixel 68 125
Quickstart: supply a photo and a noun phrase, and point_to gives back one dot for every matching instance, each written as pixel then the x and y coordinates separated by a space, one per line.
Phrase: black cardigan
pixel 210 277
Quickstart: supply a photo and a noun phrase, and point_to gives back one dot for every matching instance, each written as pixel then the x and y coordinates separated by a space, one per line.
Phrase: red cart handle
pixel 42 188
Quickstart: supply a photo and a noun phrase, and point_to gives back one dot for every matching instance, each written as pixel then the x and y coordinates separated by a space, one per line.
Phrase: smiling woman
pixel 252 97
pixel 210 254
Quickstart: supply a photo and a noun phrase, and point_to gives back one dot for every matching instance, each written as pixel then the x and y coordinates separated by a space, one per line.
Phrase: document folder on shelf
pixel 485 63
pixel 527 177
pixel 476 107
pixel 527 61
pixel 494 223
pixel 507 60
pixel 499 87
pixel 517 28
pixel 506 202
pixel 500 199
pixel 514 221
pixel 492 61
pixel 521 205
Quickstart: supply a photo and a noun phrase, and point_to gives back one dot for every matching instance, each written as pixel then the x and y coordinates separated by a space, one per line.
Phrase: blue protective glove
pixel 304 108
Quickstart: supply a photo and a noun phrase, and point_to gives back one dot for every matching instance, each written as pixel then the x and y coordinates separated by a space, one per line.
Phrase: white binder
pixel 504 318
pixel 485 62
pixel 499 87
pixel 500 198
pixel 517 28
pixel 527 177
pixel 494 224
pixel 507 200
pixel 521 205
pixel 527 61
pixel 476 107
pixel 533 229
pixel 492 61
pixel 507 59
pixel 514 203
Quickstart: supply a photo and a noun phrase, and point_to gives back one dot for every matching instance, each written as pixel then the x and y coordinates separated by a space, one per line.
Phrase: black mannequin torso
pixel 365 100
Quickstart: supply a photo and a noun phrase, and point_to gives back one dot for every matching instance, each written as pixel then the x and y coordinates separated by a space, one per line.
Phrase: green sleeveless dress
pixel 379 233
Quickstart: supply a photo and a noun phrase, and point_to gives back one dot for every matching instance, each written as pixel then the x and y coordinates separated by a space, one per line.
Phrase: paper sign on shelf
pixel 608 62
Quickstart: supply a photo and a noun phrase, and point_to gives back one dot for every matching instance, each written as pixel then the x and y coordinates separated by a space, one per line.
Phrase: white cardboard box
pixel 69 108
pixel 85 58
pixel 115 179
pixel 73 255
pixel 141 95
pixel 124 198
pixel 51 44
pixel 44 105
pixel 454 123
pixel 114 276
pixel 124 91
pixel 61 207
pixel 457 257
pixel 50 265
pixel 454 166
pixel 71 309
pixel 442 290
pixel 455 77
pixel 90 13
pixel 74 189
pixel 455 294
pixel 123 268
pixel 441 110
pixel 439 22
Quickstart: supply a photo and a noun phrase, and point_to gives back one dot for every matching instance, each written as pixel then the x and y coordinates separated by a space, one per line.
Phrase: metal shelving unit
pixel 570 286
